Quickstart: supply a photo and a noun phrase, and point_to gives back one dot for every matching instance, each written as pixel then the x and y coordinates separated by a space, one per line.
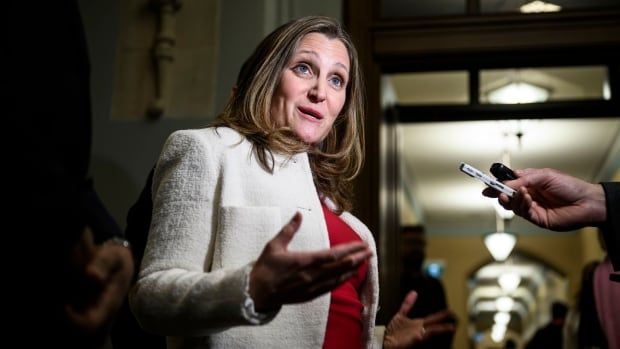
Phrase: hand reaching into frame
pixel 280 276
pixel 554 200
pixel 403 332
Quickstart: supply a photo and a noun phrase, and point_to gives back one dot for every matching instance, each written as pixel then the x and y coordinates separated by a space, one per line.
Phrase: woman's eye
pixel 336 81
pixel 302 69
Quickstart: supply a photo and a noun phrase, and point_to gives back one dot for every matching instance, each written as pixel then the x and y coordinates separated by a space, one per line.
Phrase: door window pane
pixel 533 6
pixel 418 8
pixel 535 85
pixel 448 87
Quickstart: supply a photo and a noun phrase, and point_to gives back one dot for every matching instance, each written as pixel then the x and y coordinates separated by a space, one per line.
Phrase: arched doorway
pixel 511 299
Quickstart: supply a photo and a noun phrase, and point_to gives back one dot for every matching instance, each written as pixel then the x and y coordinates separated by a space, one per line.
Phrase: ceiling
pixel 446 201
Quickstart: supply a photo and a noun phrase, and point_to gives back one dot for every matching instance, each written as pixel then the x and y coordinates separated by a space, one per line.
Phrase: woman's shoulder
pixel 215 133
pixel 208 136
pixel 202 147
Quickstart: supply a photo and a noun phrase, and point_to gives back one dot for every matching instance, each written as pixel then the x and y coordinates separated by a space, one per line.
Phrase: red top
pixel 344 323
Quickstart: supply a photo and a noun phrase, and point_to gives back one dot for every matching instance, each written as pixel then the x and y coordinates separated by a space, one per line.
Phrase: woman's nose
pixel 317 92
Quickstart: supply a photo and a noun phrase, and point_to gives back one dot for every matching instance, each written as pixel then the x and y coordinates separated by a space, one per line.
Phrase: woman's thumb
pixel 287 233
pixel 408 303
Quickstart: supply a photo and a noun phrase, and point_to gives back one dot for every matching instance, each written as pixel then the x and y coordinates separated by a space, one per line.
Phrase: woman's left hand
pixel 403 332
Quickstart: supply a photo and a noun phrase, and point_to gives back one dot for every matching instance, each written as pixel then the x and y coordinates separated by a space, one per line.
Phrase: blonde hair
pixel 337 160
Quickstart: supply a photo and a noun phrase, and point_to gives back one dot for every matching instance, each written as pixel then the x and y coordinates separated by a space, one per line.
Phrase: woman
pixel 288 144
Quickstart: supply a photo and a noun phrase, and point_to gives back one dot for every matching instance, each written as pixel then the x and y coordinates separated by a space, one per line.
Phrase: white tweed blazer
pixel 214 209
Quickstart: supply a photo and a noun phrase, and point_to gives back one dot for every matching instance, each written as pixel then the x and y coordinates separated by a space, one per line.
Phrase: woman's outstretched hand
pixel 280 276
pixel 403 332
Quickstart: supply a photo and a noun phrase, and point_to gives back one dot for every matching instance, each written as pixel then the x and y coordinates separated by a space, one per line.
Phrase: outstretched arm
pixel 554 200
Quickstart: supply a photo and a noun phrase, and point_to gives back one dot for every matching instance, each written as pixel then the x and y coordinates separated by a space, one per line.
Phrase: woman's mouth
pixel 309 112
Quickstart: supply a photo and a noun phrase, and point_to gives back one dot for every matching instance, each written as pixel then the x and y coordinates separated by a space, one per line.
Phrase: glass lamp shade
pixel 500 244
pixel 539 6
pixel 509 281
pixel 504 304
pixel 498 332
pixel 517 93
pixel 502 318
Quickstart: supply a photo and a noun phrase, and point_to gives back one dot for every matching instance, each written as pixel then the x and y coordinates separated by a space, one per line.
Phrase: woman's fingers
pixel 331 272
pixel 320 287
pixel 349 251
pixel 304 286
pixel 439 317
pixel 348 261
pixel 286 234
pixel 280 276
pixel 437 329
pixel 315 279
pixel 435 324
pixel 408 303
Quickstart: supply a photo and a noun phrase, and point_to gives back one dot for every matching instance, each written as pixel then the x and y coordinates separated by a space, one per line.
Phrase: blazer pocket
pixel 243 232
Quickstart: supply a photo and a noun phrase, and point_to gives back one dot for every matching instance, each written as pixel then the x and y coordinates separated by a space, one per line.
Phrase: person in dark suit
pixel 510 344
pixel 126 333
pixel 78 268
pixel 430 290
pixel 550 336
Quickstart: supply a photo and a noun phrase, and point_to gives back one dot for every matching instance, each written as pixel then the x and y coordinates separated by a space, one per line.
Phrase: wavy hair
pixel 338 159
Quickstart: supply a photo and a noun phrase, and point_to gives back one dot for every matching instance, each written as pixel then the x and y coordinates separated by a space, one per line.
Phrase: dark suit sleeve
pixel 96 215
pixel 139 221
pixel 126 332
pixel 611 228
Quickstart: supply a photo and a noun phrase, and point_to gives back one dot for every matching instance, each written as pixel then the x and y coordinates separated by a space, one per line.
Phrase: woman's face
pixel 312 89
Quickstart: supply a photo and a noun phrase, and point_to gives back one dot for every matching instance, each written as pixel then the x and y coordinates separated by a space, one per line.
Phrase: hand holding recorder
pixel 486 179
pixel 554 200
pixel 557 201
